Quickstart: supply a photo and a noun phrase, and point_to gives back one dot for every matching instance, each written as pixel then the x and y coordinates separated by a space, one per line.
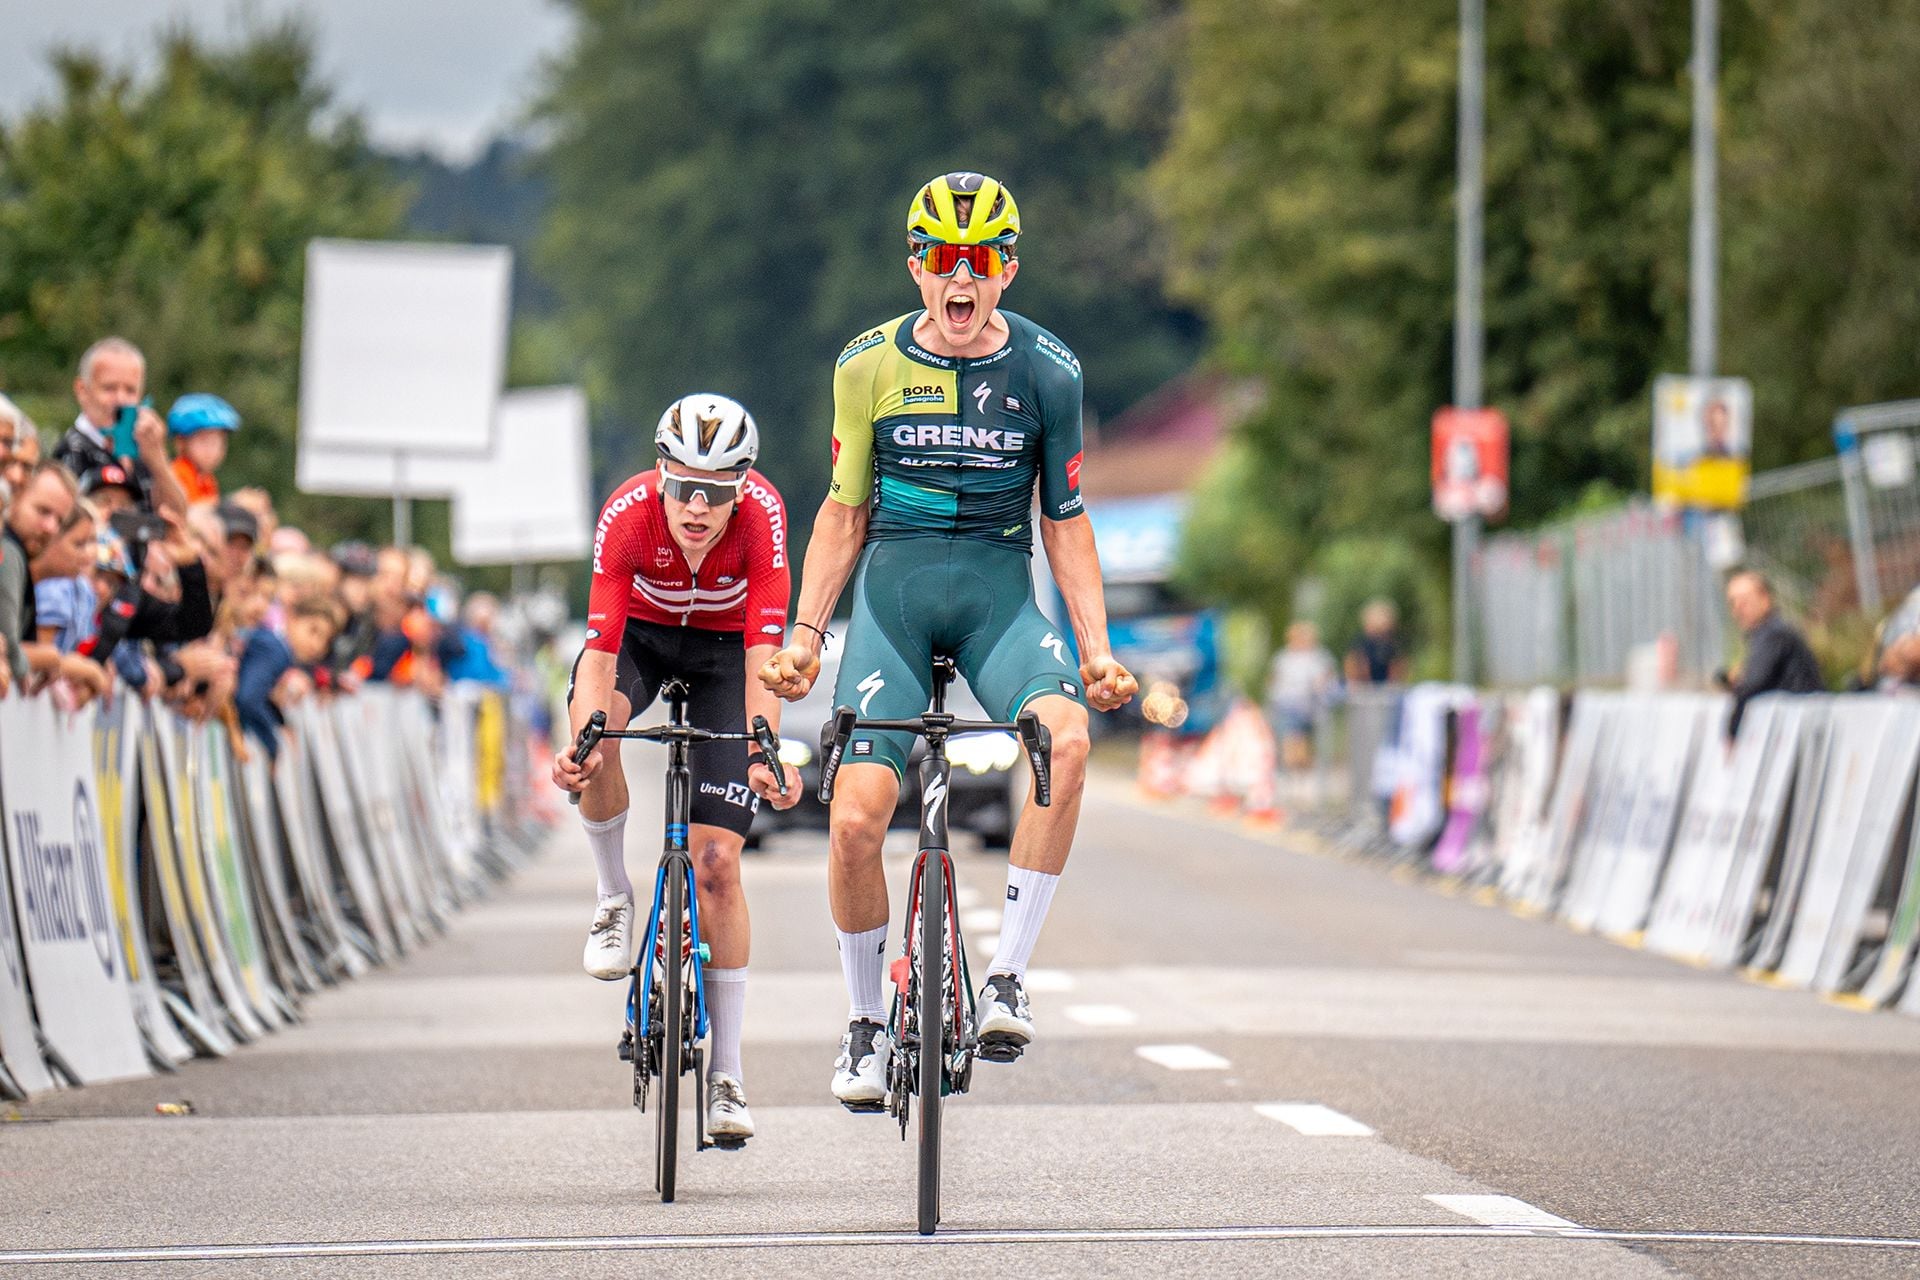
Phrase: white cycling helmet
pixel 708 433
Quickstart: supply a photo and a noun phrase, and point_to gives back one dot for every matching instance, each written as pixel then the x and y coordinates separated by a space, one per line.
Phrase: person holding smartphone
pixel 115 428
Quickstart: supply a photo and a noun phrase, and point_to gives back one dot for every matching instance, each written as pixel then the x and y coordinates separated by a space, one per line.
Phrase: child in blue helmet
pixel 199 423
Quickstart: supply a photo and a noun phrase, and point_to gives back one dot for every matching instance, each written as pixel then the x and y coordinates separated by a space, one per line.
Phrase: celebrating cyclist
pixel 944 421
pixel 689 565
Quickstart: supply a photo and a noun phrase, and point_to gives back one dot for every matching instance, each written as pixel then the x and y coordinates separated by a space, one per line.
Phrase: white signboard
pixel 528 500
pixel 370 473
pixel 57 862
pixel 404 346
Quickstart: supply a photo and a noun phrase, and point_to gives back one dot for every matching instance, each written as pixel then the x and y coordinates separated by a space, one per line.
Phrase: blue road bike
pixel 666 993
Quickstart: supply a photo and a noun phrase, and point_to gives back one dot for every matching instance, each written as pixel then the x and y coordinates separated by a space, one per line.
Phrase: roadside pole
pixel 1468 328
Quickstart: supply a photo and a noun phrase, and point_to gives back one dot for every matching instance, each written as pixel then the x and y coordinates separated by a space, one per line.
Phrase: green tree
pixel 730 186
pixel 1309 190
pixel 175 211
pixel 1822 219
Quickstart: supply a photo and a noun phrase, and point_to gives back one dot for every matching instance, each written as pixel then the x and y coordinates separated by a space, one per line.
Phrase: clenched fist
pixel 1109 685
pixel 791 672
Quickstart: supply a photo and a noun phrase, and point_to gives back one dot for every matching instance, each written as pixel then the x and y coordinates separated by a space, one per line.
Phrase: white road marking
pixel 1499 1211
pixel 958 1236
pixel 1101 1015
pixel 1183 1057
pixel 1314 1120
pixel 1049 980
pixel 979 919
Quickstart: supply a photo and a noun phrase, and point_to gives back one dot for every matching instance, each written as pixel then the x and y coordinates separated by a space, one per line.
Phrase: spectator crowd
pixel 125 566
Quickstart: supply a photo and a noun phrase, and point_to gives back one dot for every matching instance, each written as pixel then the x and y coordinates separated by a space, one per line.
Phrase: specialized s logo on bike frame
pixel 980 394
pixel 936 796
pixel 870 686
pixel 1057 645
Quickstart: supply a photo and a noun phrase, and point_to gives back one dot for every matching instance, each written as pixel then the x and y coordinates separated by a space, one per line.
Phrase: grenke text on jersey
pixel 954 436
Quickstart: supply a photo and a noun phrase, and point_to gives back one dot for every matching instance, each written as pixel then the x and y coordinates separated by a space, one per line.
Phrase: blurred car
pixel 989 769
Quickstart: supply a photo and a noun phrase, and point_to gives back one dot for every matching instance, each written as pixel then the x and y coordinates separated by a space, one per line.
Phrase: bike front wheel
pixel 673 1006
pixel 931 1012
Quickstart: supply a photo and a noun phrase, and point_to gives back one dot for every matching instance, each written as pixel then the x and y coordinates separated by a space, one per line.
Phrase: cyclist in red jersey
pixel 690 583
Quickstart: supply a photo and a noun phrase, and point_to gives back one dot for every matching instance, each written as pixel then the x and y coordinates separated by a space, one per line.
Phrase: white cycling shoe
pixel 728 1119
pixel 860 1072
pixel 609 954
pixel 1005 1021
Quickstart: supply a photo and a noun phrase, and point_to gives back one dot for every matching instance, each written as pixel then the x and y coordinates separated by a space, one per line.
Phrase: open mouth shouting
pixel 959 310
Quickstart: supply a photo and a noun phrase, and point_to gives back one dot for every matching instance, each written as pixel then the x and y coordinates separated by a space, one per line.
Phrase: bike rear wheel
pixel 931 1012
pixel 672 1033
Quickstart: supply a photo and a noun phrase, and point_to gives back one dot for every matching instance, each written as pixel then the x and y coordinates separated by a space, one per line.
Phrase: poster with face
pixel 1702 440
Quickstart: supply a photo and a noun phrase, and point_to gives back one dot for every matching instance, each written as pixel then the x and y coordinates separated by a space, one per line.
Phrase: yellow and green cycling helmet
pixel 992 218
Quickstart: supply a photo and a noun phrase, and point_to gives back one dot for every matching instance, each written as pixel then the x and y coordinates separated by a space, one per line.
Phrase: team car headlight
pixel 795 754
pixel 984 752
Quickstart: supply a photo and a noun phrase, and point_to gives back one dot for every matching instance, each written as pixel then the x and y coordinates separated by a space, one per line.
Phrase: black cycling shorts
pixel 712 664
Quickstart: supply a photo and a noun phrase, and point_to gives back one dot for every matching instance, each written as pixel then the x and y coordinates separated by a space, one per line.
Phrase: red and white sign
pixel 1469 463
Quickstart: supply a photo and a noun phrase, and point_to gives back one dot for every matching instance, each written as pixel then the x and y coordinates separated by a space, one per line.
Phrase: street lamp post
pixel 1469 337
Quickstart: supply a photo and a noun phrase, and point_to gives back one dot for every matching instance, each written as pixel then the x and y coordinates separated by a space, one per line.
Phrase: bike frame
pixel 674 858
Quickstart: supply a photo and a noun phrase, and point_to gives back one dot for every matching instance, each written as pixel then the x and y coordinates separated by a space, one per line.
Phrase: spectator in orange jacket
pixel 199 424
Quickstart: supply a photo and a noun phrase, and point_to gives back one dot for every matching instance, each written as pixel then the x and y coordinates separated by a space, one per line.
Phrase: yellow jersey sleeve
pixel 853 404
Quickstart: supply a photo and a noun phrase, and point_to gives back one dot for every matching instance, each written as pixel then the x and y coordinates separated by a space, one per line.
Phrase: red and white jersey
pixel 640 572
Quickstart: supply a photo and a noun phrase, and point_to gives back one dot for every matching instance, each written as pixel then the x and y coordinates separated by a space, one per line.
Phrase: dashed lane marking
pixel 958 1237
pixel 1314 1120
pixel 1183 1057
pixel 1499 1211
pixel 1101 1015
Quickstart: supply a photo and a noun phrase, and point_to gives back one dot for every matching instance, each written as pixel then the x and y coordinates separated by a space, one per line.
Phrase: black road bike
pixel 932 1022
pixel 666 995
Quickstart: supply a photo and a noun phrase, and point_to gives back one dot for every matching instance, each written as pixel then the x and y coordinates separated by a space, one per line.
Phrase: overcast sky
pixel 445 74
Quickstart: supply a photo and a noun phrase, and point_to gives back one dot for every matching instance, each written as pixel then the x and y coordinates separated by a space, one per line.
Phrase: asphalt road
pixel 1254 1061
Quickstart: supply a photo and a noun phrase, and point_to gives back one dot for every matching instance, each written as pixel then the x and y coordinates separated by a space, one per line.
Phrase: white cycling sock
pixel 1029 894
pixel 608 841
pixel 863 962
pixel 726 1010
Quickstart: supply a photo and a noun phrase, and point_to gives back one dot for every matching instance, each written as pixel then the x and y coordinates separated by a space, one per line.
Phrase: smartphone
pixel 124 445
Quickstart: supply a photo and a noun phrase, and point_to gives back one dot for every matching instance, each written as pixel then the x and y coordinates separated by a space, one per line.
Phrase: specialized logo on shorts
pixel 862 343
pixel 870 686
pixel 980 394
pixel 923 395
pixel 1055 644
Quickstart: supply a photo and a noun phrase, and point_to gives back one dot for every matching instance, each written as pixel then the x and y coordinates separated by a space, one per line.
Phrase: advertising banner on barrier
pixel 1535 874
pixel 1673 728
pixel 19 1042
pixel 266 853
pixel 197 1010
pixel 59 872
pixel 116 742
pixel 1759 835
pixel 342 948
pixel 343 828
pixel 173 735
pixel 208 762
pixel 1859 731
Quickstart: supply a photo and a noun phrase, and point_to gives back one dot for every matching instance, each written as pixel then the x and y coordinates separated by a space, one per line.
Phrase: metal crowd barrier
pixel 162 897
pixel 1793 852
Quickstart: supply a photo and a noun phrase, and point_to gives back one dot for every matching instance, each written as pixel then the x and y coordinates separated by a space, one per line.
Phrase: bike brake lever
pixel 843 720
pixel 1035 737
pixel 589 739
pixel 769 743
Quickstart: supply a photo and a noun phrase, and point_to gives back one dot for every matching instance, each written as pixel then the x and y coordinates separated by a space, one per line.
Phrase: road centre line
pixel 1183 1057
pixel 1314 1120
pixel 1499 1211
pixel 958 1236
